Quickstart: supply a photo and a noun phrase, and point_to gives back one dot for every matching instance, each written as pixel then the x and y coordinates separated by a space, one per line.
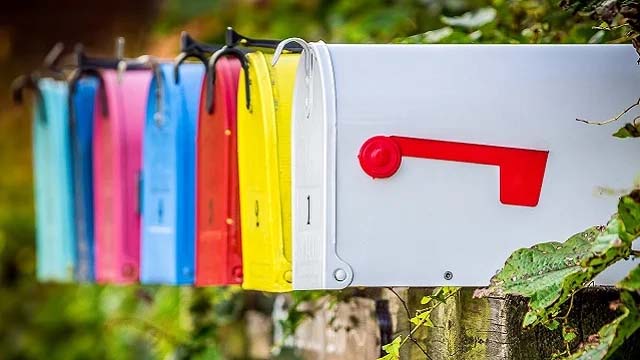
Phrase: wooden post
pixel 464 327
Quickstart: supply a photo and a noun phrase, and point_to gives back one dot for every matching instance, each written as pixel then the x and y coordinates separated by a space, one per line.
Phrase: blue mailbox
pixel 168 181
pixel 55 238
pixel 82 94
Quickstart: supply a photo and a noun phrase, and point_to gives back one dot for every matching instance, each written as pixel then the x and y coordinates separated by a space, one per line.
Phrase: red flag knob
pixel 380 157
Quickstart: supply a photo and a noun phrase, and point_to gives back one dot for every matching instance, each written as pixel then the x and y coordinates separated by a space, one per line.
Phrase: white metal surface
pixel 434 216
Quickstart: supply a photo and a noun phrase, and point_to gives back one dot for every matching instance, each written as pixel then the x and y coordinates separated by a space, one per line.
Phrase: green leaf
pixel 552 325
pixel 392 349
pixel 632 281
pixel 629 211
pixel 422 319
pixel 425 300
pixel 441 294
pixel 429 37
pixel 471 20
pixel 612 335
pixel 549 273
pixel 568 334
pixel 627 131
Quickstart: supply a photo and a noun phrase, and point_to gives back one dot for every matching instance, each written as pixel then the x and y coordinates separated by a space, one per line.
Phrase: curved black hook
pixel 22 82
pixel 233 38
pixel 190 48
pixel 90 66
pixel 53 58
pixel 211 74
pixel 50 68
pixel 75 77
pixel 83 61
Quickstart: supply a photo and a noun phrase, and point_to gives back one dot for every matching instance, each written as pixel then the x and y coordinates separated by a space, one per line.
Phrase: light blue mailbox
pixel 55 238
pixel 83 93
pixel 168 181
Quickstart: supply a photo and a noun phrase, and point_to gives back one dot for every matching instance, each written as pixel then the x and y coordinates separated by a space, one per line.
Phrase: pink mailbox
pixel 119 118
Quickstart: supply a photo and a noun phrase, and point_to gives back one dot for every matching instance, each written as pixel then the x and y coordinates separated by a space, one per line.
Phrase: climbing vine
pixel 420 319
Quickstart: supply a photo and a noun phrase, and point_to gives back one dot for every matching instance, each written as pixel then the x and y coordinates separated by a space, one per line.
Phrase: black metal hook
pixel 211 74
pixel 91 66
pixel 30 82
pixel 83 61
pixel 74 79
pixel 191 48
pixel 50 68
pixel 233 38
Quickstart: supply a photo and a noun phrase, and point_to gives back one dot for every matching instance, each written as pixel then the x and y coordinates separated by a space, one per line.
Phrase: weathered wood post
pixel 464 327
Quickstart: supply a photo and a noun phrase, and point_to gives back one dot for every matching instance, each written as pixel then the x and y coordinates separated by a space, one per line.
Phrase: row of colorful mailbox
pixel 347 165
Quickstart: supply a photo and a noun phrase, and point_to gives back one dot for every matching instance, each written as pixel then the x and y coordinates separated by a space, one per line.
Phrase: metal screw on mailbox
pixel 448 275
pixel 340 275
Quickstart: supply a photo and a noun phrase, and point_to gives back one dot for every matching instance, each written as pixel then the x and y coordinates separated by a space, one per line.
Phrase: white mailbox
pixel 426 165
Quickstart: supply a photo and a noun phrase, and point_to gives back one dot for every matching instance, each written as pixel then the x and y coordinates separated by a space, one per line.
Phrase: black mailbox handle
pixel 233 38
pixel 50 68
pixel 91 66
pixel 211 74
pixel 75 77
pixel 191 48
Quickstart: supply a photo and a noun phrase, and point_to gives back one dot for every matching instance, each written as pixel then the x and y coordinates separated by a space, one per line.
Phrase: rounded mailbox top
pixel 380 157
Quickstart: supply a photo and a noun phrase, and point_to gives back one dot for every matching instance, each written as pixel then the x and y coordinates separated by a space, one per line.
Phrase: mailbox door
pixel 191 76
pixel 264 160
pixel 167 186
pixel 82 158
pixel 314 176
pixel 441 196
pixel 219 252
pixel 55 238
pixel 117 160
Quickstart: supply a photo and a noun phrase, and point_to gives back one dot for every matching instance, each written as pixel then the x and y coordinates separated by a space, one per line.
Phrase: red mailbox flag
pixel 521 170
pixel 218 246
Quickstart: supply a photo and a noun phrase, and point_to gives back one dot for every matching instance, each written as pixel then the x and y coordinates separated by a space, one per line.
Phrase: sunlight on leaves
pixel 472 19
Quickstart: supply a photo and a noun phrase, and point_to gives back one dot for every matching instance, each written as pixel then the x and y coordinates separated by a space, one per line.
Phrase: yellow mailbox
pixel 264 165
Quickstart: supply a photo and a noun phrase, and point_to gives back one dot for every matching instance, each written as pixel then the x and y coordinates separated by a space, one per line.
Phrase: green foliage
pixel 297 314
pixel 392 349
pixel 632 281
pixel 422 318
pixel 611 12
pixel 550 273
pixel 516 22
pixel 612 335
pixel 472 19
pixel 629 130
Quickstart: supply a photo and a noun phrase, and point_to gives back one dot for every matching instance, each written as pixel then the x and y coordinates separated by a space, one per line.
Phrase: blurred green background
pixel 49 321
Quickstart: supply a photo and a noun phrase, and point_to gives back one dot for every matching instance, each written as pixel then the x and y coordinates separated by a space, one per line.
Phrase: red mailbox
pixel 218 244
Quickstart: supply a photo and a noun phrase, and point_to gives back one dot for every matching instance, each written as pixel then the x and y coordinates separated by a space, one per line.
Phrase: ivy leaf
pixel 627 131
pixel 629 211
pixel 441 294
pixel 392 349
pixel 632 281
pixel 552 324
pixel 471 20
pixel 568 334
pixel 603 344
pixel 422 319
pixel 549 273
